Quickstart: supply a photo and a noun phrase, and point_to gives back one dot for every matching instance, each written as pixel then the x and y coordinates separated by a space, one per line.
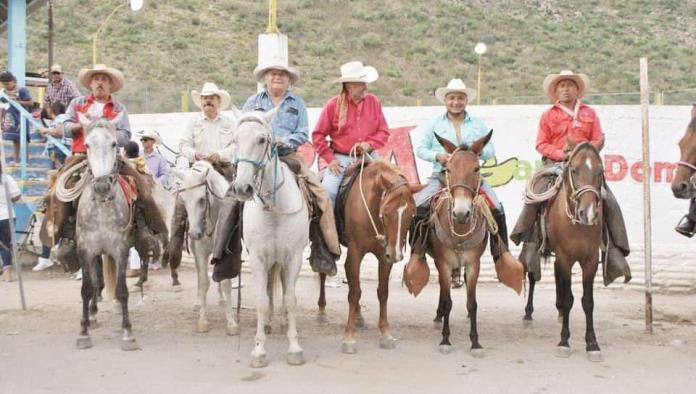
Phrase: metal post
pixel 478 85
pixel 17 40
pixel 101 28
pixel 23 148
pixel 647 220
pixel 272 17
pixel 50 35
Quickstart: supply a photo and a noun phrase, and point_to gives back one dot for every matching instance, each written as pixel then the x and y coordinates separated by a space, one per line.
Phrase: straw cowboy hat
pixel 276 64
pixel 552 80
pixel 151 134
pixel 211 89
pixel 85 76
pixel 454 85
pixel 357 72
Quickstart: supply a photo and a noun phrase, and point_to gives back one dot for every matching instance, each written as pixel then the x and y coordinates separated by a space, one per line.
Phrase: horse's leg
pixel 99 268
pixel 84 341
pixel 321 315
pixel 203 286
pixel 94 281
pixel 445 307
pixel 260 274
pixel 269 293
pixel 589 270
pixel 221 293
pixel 352 267
pixel 232 326
pixel 564 301
pixel 128 342
pixel 144 266
pixel 386 340
pixel 175 278
pixel 472 274
pixel 529 309
pixel 290 273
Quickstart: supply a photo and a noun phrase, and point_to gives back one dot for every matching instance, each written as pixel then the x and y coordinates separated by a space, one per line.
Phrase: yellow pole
pixel 272 17
pixel 101 28
pixel 478 85
pixel 184 101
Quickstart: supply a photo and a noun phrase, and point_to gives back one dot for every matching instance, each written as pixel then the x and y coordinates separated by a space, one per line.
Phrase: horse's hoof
pixel 259 361
pixel 349 347
pixel 129 344
pixel 84 342
pixel 594 355
pixel 562 351
pixel 93 323
pixel 295 358
pixel 203 326
pixel 267 329
pixel 322 318
pixel 387 342
pixel 233 330
pixel 477 353
pixel 360 323
pixel 196 307
pixel 445 349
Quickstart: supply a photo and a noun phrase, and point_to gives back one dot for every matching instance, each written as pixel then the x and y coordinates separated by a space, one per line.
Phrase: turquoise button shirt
pixel 471 130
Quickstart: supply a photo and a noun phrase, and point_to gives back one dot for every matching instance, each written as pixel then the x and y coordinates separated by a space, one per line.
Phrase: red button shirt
pixel 555 125
pixel 364 123
pixel 81 105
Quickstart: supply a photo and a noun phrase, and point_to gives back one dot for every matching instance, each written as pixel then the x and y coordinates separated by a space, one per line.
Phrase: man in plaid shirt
pixel 60 89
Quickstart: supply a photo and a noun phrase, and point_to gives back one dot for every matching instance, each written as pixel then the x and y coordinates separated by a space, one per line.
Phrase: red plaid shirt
pixel 64 91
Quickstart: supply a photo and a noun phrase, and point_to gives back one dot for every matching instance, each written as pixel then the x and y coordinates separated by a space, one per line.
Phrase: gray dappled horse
pixel 275 224
pixel 104 226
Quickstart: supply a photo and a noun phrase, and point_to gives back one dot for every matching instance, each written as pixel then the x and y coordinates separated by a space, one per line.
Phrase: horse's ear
pixel 480 143
pixel 84 120
pixel 270 115
pixel 236 112
pixel 178 173
pixel 416 187
pixel 449 147
pixel 119 117
pixel 599 145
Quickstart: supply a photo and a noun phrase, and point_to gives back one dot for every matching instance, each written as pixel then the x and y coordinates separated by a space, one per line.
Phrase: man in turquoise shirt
pixel 459 127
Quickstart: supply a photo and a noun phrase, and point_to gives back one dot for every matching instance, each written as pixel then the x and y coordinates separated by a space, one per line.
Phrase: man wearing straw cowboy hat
pixel 353 120
pixel 570 117
pixel 102 81
pixel 208 136
pixel 459 127
pixel 291 130
pixel 156 164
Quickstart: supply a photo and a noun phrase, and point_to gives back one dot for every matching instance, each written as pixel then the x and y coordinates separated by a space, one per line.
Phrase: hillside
pixel 416 45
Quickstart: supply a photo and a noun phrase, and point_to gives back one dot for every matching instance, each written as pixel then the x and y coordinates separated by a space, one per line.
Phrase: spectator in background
pixel 5 234
pixel 59 89
pixel 11 118
pixel 156 163
pixel 54 128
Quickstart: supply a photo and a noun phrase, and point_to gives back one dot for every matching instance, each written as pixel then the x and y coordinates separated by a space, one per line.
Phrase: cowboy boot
pixel 320 258
pixel 172 252
pixel 510 271
pixel 525 223
pixel 687 224
pixel 227 246
pixel 615 264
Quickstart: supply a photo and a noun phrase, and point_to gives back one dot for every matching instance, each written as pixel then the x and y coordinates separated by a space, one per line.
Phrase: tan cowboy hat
pixel 552 80
pixel 276 64
pixel 357 72
pixel 211 89
pixel 56 68
pixel 152 134
pixel 454 85
pixel 85 76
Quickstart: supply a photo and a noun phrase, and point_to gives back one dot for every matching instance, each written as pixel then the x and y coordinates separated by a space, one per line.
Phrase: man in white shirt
pixel 5 234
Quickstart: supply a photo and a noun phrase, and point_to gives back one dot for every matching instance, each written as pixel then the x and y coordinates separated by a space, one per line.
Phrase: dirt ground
pixel 38 353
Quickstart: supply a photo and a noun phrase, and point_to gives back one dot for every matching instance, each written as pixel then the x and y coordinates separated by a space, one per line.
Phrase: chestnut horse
pixel 683 184
pixel 380 206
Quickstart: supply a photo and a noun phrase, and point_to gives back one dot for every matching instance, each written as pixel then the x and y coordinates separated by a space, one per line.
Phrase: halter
pixel 207 219
pixel 449 188
pixel 576 193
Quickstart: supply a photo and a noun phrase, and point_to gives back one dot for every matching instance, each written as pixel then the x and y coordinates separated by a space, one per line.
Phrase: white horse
pixel 275 224
pixel 201 189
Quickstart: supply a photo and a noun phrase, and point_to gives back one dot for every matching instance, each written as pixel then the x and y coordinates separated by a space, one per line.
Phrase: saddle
pixel 351 174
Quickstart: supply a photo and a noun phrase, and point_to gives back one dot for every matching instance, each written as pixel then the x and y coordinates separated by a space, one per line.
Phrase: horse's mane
pixel 253 116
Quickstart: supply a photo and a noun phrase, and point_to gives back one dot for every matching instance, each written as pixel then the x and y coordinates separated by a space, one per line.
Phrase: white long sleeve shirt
pixel 206 136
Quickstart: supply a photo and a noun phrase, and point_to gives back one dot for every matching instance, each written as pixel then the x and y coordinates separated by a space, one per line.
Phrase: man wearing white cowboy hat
pixel 460 128
pixel 353 120
pixel 570 117
pixel 208 136
pixel 102 81
pixel 291 130
pixel 157 165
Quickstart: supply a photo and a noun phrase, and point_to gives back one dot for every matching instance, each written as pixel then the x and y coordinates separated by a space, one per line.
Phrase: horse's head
pixel 462 175
pixel 584 180
pixel 102 151
pixel 253 148
pixel 683 183
pixel 396 208
pixel 199 185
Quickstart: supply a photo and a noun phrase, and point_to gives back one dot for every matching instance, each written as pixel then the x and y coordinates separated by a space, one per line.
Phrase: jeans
pixel 6 240
pixel 331 181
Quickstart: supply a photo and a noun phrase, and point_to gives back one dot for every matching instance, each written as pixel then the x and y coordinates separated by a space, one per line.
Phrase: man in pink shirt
pixel 569 117
pixel 352 120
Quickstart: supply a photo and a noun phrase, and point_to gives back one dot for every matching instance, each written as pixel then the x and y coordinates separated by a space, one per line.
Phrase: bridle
pixel 207 217
pixel 577 192
pixel 447 192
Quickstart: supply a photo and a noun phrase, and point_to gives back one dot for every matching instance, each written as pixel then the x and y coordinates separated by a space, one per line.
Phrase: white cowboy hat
pixel 357 72
pixel 152 134
pixel 552 80
pixel 276 64
pixel 85 76
pixel 455 85
pixel 211 89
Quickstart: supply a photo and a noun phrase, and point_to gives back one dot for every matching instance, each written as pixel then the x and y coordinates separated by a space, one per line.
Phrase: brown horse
pixel 683 183
pixel 378 210
pixel 458 233
pixel 575 221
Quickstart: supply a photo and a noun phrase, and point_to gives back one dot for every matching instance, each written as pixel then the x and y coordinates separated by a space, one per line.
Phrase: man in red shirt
pixel 352 120
pixel 569 117
pixel 102 81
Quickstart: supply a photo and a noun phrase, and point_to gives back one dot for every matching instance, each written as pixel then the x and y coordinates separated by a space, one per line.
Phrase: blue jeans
pixel 331 181
pixel 6 239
